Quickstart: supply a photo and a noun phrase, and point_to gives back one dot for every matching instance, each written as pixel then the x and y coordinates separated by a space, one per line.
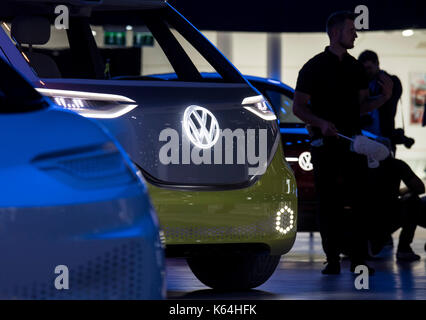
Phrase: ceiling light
pixel 407 33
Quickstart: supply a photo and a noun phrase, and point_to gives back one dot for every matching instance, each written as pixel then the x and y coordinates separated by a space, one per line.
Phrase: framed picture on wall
pixel 417 97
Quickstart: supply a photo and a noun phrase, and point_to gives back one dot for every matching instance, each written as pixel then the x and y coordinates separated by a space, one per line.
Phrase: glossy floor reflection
pixel 298 277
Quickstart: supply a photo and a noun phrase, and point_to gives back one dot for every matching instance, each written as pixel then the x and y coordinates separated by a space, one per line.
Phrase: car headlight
pixel 89 167
pixel 260 107
pixel 91 104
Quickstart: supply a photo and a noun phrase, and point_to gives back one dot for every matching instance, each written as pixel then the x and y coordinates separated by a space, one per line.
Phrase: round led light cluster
pixel 286 211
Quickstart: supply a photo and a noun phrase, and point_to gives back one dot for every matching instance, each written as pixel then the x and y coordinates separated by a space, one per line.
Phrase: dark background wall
pixel 296 16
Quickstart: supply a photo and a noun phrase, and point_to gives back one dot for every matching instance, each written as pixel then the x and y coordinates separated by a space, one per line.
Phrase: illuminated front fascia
pixel 258 106
pixel 298 160
pixel 292 159
pixel 79 97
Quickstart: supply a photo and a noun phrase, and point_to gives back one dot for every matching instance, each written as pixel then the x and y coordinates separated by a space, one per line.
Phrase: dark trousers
pixel 340 178
pixel 410 213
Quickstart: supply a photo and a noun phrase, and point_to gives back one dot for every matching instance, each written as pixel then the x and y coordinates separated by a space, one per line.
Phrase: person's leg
pixel 328 223
pixel 377 211
pixel 356 187
pixel 413 214
pixel 387 222
pixel 421 213
pixel 325 175
pixel 406 237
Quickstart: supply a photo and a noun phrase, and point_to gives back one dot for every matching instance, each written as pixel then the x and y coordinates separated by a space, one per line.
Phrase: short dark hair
pixel 338 18
pixel 368 55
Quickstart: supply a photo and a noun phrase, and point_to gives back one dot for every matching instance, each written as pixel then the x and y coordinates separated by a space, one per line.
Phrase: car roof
pixel 269 81
pixel 250 78
pixel 214 75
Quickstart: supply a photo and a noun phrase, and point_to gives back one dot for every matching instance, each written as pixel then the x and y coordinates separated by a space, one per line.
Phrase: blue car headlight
pixel 94 166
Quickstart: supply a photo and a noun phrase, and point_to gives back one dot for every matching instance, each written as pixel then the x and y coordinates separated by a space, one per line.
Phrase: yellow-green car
pixel 233 239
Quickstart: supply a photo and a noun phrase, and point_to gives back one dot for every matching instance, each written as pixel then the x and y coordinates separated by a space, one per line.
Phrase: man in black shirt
pixel 381 121
pixel 331 93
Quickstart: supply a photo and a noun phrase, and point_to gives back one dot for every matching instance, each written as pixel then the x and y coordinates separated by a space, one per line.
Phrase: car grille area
pixel 116 274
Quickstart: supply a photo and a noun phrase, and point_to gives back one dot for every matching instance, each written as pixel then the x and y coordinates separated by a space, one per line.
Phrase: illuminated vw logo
pixel 305 161
pixel 201 127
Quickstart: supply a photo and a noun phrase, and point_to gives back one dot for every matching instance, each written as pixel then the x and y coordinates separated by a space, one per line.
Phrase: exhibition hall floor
pixel 298 277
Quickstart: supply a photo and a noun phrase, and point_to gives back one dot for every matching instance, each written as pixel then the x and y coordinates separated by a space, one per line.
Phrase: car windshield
pixel 16 94
pixel 120 45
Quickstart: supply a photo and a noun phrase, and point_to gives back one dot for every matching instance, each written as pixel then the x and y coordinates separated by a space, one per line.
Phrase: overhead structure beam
pixel 297 16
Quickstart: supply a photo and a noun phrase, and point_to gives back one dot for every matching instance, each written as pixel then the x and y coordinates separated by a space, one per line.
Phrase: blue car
pixel 76 221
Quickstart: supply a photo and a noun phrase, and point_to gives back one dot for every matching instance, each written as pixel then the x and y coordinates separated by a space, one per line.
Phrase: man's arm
pixel 388 111
pixel 414 186
pixel 302 111
pixel 368 103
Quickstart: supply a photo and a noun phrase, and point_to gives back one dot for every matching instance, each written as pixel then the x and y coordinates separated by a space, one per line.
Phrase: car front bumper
pixel 112 251
pixel 242 216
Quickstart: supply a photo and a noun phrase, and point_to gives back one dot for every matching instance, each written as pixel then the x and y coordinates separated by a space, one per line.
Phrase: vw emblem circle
pixel 201 126
pixel 305 161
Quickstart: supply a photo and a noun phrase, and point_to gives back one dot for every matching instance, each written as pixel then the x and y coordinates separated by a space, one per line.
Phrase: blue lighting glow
pixel 294 130
pixel 133 231
pixel 369 134
pixel 283 111
pixel 274 81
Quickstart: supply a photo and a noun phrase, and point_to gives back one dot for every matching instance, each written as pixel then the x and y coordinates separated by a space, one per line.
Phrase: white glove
pixel 370 148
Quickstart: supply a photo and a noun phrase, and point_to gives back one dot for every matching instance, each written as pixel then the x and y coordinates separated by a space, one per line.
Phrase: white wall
pixel 249 52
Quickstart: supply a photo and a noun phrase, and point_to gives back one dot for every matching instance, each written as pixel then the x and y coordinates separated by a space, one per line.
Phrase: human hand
pixel 328 129
pixel 310 130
